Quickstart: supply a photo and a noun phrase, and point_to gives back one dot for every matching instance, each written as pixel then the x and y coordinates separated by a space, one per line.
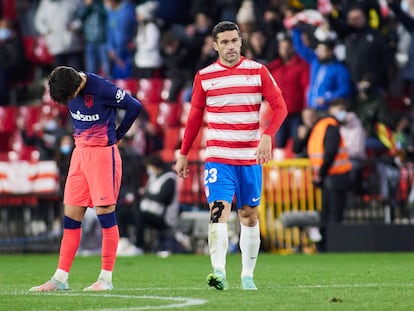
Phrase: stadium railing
pixel 287 187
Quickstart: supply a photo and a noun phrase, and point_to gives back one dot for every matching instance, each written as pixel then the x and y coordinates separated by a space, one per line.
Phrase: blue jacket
pixel 330 80
pixel 121 31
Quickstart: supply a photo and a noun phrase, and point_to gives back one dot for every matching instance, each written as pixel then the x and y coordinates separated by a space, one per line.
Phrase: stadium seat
pixel 129 85
pixel 152 110
pixel 8 117
pixel 37 51
pixel 169 114
pixel 9 10
pixel 165 91
pixel 30 114
pixel 149 90
pixel 172 138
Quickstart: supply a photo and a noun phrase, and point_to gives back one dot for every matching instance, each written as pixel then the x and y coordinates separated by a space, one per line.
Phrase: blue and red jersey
pixel 94 113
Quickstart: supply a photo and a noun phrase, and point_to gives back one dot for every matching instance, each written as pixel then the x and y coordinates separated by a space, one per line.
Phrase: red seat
pixel 172 138
pixel 36 50
pixel 149 90
pixel 8 117
pixel 129 85
pixel 169 114
pixel 152 110
pixel 30 115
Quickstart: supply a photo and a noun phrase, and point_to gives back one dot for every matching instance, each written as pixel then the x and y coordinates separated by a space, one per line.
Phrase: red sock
pixel 110 238
pixel 68 248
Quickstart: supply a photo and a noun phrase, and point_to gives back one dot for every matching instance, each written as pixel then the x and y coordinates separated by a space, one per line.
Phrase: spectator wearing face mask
pixel 45 136
pixel 372 109
pixel 331 166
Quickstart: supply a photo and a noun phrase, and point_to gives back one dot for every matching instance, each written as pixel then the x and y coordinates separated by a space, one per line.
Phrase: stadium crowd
pixel 319 52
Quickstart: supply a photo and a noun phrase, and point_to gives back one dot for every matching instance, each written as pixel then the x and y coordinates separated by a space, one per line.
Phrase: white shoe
pixel 314 234
pixel 99 285
pixel 126 249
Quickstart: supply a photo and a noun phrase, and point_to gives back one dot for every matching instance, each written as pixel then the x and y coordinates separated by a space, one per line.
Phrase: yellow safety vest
pixel 341 164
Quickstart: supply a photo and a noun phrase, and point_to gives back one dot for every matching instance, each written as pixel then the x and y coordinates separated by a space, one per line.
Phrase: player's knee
pixel 216 211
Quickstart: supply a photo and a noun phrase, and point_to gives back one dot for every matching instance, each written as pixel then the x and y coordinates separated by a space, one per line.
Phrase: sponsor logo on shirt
pixel 120 94
pixel 84 117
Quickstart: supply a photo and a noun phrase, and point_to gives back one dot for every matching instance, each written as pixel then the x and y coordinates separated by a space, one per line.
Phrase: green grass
pixel 293 282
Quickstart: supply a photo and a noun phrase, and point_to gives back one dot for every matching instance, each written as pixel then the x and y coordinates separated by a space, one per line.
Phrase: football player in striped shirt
pixel 231 91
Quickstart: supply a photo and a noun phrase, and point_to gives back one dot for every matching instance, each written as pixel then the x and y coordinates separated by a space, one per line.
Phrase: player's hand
pixel 181 166
pixel 264 150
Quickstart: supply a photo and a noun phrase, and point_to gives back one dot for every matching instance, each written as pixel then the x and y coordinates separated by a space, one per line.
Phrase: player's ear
pixel 215 46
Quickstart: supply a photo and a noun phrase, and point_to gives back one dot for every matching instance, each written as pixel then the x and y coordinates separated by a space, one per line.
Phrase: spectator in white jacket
pixel 354 136
pixel 55 20
pixel 148 59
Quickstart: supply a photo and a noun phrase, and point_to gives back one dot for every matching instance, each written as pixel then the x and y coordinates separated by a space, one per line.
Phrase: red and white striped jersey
pixel 231 97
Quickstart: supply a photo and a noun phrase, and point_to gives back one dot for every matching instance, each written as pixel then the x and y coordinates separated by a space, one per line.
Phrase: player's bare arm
pixel 264 149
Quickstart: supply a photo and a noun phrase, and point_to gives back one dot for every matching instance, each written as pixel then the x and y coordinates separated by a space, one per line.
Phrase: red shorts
pixel 94 177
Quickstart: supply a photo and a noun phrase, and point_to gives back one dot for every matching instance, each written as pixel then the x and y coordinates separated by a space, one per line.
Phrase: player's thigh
pixel 76 191
pixel 249 185
pixel 104 172
pixel 219 182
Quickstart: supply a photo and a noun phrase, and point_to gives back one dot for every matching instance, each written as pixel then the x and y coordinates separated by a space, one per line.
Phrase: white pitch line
pixel 345 285
pixel 179 302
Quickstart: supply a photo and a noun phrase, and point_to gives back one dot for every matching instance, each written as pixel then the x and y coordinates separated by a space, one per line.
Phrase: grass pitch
pixel 293 282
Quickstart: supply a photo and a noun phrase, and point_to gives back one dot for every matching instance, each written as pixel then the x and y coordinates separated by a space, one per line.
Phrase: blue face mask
pixel 65 149
pixel 5 33
pixel 340 115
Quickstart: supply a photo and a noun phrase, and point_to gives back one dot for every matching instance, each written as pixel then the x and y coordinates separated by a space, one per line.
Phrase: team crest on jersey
pixel 88 100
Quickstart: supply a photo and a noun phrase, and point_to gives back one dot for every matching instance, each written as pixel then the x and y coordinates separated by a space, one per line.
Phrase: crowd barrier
pixel 287 187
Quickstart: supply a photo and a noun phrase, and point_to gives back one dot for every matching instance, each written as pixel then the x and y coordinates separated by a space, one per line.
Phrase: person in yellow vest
pixel 331 165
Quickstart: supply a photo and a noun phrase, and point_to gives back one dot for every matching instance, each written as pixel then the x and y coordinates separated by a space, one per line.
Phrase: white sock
pixel 249 247
pixel 218 242
pixel 106 276
pixel 61 275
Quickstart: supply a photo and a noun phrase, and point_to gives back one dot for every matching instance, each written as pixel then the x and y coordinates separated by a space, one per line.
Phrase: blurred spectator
pixel 196 34
pixel 45 136
pixel 26 10
pixel 372 109
pixel 331 167
pixel 158 208
pixel 148 59
pixel 246 18
pixel 354 136
pixel 407 20
pixel 13 63
pixel 93 16
pixel 329 79
pixel 132 180
pixel 309 116
pixel 273 14
pixel 55 20
pixel 292 75
pixel 121 30
pixel 177 68
pixel 260 47
pixel 62 158
pixel 366 49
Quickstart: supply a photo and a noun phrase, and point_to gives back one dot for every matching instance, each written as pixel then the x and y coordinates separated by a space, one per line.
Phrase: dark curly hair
pixel 63 83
